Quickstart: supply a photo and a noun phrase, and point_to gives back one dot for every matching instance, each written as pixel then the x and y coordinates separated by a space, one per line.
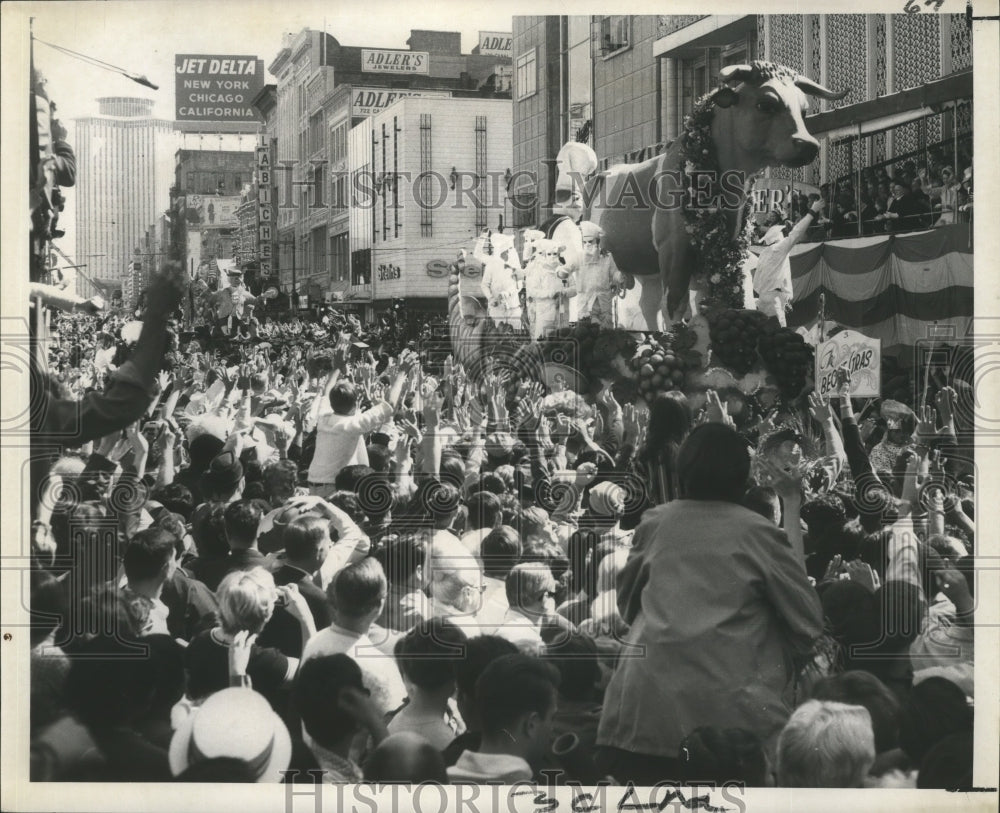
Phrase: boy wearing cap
pixel 599 278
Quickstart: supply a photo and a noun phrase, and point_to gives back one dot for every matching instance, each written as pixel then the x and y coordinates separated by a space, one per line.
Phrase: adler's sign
pixel 380 61
pixel 495 43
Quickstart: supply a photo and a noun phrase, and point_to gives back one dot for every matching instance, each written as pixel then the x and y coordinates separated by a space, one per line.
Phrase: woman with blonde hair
pixel 826 745
pixel 227 655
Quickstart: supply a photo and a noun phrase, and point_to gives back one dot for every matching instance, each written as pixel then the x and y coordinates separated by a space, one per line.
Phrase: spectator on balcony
pixel 899 209
pixel 944 197
pixel 922 212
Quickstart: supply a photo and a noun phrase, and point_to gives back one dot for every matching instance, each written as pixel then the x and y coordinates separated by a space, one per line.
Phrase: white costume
pixel 597 278
pixel 530 240
pixel 547 291
pixel 772 278
pixel 501 282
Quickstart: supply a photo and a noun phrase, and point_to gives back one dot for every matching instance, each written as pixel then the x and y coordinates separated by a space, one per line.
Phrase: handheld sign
pixel 861 356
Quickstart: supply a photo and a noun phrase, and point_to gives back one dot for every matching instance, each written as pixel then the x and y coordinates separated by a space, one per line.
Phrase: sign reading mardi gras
pixel 859 355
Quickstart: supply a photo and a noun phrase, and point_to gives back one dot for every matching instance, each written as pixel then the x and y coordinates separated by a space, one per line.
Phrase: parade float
pixel 686 325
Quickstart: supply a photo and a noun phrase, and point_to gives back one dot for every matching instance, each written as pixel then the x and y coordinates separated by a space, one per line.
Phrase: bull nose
pixel 806 150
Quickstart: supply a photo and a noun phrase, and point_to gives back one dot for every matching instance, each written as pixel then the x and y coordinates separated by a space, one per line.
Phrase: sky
pixel 143 36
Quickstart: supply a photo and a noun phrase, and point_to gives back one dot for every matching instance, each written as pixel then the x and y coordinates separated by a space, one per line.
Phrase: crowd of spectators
pixel 259 559
pixel 909 195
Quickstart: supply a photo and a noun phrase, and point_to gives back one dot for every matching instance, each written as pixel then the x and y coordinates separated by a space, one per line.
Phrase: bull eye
pixel 767 105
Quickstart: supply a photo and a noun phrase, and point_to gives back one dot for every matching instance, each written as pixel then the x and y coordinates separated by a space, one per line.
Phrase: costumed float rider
pixel 772 274
pixel 598 279
pixel 233 306
pixel 501 282
pixel 549 287
pixel 530 238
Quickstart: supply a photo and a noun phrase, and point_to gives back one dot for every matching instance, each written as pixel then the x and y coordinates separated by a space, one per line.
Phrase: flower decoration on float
pixel 719 255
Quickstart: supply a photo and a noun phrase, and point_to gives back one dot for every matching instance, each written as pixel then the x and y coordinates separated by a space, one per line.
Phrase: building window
pixel 338 193
pixel 361 267
pixel 318 245
pixel 338 143
pixel 527 74
pixel 426 190
pixel 616 34
pixel 339 257
pixel 577 79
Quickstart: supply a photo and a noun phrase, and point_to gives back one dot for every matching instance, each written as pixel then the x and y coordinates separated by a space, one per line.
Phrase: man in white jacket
pixel 772 279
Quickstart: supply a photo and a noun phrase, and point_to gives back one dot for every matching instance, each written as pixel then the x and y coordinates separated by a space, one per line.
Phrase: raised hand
pixel 945 402
pixel 819 408
pixel 163 380
pixel 239 653
pixel 834 568
pixel 787 484
pixel 716 411
pixel 926 424
pixel 862 573
pixel 607 397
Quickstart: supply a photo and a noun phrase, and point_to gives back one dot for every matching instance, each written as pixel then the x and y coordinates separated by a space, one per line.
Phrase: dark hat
pixel 205 447
pixel 223 473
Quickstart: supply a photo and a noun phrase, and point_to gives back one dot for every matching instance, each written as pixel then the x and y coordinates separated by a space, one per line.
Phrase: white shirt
pixel 379 672
pixel 494 609
pixel 520 631
pixel 340 441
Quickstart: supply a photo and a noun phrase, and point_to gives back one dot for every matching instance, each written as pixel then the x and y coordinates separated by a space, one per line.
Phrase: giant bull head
pixel 757 122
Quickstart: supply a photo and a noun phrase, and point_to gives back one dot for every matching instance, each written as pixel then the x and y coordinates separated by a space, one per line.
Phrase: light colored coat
pixel 719 601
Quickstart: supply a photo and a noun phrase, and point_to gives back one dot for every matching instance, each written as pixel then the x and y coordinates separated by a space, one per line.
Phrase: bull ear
pixel 725 97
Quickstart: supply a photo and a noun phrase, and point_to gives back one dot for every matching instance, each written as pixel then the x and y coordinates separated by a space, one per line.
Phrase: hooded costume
pixel 501 281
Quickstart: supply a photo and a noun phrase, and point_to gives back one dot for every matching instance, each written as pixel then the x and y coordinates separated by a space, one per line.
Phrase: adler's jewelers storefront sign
pixel 382 61
pixel 495 43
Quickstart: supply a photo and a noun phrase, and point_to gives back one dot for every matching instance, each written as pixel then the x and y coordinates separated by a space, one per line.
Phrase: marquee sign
pixel 368 101
pixel 385 61
pixel 212 87
pixel 265 209
pixel 495 43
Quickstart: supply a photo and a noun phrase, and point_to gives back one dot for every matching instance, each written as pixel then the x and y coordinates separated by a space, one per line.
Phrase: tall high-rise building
pixel 125 167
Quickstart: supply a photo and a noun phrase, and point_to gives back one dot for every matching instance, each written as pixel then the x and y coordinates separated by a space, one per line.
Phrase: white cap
pixel 590 231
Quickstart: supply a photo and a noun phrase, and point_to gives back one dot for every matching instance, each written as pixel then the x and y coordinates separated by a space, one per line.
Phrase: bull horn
pixel 736 73
pixel 815 89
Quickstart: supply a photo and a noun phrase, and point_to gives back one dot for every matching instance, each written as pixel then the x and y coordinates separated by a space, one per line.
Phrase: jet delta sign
pixel 213 87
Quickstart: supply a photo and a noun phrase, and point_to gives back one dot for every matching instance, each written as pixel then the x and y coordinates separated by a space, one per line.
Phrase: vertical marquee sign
pixel 265 210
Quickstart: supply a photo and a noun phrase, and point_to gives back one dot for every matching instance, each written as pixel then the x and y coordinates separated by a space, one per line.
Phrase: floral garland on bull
pixel 720 256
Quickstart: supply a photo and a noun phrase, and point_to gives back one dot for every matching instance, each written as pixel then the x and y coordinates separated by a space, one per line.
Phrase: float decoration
pixel 720 255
